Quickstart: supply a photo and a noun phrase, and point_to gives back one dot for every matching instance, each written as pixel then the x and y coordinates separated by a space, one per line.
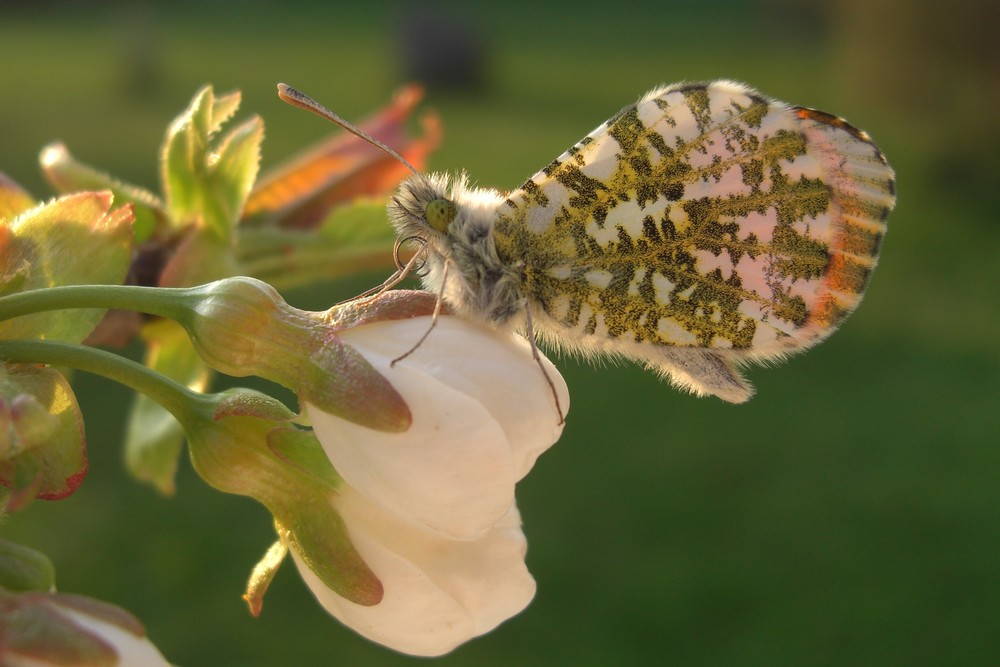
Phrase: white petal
pixel 452 471
pixel 493 367
pixel 438 592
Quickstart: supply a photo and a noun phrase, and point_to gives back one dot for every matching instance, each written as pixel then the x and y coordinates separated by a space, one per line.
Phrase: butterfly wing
pixel 702 227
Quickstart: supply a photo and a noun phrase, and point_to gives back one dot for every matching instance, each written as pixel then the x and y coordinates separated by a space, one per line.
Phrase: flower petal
pixel 451 471
pixel 493 367
pixel 438 592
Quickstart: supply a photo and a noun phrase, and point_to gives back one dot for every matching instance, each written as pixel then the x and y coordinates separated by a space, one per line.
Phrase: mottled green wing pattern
pixel 705 216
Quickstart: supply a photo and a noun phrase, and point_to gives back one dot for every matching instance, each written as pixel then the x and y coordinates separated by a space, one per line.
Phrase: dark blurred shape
pixel 795 20
pixel 441 50
pixel 142 58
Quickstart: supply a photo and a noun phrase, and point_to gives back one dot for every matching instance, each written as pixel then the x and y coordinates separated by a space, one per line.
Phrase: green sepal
pixel 321 540
pixel 301 448
pixel 315 530
pixel 244 402
pixel 235 454
pixel 243 327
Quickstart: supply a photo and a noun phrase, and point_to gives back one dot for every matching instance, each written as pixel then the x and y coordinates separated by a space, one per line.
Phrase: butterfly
pixel 700 229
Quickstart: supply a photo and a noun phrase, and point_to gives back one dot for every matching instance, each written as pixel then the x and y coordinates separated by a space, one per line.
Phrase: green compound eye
pixel 440 213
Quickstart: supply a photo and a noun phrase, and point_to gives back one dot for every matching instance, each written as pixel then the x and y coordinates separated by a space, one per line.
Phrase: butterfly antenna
pixel 303 101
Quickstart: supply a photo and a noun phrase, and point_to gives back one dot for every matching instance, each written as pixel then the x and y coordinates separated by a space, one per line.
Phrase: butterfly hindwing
pixel 704 226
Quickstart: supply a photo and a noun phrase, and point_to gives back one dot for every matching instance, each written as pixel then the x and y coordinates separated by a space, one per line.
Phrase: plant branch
pixel 166 302
pixel 185 405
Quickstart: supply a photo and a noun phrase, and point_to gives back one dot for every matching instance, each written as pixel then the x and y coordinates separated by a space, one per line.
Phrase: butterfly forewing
pixel 705 216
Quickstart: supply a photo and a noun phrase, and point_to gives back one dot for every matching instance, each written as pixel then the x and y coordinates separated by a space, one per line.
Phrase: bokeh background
pixel 848 514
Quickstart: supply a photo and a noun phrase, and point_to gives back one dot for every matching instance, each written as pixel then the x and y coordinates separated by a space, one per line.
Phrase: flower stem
pixel 185 405
pixel 171 302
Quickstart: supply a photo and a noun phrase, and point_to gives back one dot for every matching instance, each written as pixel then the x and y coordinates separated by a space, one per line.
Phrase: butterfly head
pixel 424 210
pixel 440 213
pixel 444 211
pixel 453 224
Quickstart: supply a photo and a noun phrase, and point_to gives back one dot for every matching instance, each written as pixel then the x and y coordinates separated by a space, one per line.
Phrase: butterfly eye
pixel 440 213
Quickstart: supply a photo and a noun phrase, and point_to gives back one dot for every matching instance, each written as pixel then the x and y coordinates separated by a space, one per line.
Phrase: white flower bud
pixel 431 509
pixel 439 592
pixel 482 413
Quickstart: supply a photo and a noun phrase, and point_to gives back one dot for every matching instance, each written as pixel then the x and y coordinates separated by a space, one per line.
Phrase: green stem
pixel 172 302
pixel 187 406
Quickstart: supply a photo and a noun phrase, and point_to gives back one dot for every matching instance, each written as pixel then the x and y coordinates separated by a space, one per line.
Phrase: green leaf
pixel 42 446
pixel 223 108
pixel 200 123
pixel 207 187
pixel 65 174
pixel 15 267
pixel 233 173
pixel 153 438
pixel 182 154
pixel 74 240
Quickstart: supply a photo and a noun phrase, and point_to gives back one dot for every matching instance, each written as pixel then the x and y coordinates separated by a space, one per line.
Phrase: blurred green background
pixel 848 514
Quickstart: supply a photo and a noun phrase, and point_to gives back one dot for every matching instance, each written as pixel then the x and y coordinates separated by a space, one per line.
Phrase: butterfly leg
pixel 702 372
pixel 536 355
pixel 434 316
pixel 390 282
